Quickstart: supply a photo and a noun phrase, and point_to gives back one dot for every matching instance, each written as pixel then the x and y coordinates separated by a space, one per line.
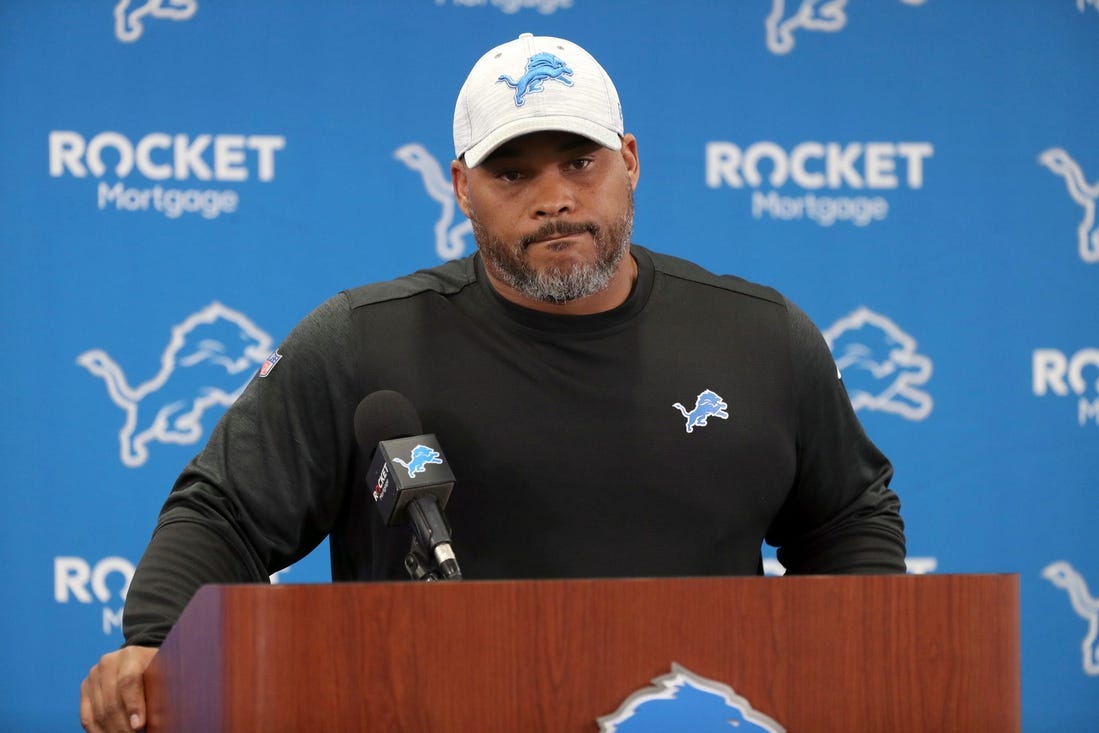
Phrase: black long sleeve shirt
pixel 672 435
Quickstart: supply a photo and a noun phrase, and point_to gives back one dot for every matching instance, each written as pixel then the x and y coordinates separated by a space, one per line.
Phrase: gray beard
pixel 557 285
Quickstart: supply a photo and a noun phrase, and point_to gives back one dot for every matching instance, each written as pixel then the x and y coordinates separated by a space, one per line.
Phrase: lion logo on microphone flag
pixel 417 462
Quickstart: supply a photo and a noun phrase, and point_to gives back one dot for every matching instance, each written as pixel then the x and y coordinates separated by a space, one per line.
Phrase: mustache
pixel 558 229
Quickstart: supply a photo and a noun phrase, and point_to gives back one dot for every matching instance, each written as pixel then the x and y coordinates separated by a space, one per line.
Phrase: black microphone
pixel 408 476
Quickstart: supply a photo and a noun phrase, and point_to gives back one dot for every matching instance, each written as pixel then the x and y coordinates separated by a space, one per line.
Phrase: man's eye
pixel 509 175
pixel 580 163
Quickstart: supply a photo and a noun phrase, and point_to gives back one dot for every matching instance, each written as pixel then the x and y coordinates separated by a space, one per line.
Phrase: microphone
pixel 409 477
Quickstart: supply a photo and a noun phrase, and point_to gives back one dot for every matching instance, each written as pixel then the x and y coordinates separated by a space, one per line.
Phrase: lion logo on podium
pixel 683 700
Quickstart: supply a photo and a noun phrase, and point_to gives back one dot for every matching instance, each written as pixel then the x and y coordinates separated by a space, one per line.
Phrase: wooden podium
pixel 817 654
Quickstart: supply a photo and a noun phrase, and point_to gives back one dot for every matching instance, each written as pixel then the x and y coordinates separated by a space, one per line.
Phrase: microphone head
pixel 384 415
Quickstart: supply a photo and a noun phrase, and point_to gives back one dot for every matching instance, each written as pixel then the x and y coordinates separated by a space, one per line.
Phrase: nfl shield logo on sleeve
pixel 270 363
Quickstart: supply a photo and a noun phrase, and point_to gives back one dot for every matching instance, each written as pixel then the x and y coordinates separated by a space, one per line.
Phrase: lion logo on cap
pixel 540 68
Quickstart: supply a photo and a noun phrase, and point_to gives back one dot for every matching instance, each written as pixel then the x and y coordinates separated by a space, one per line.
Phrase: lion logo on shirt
pixel 708 404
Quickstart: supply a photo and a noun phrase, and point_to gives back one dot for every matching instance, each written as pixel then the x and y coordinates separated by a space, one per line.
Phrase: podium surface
pixel 824 653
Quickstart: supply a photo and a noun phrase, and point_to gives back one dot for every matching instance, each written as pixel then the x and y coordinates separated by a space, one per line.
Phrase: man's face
pixel 552 214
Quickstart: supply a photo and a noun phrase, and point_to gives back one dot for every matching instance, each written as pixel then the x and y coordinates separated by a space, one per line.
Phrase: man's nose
pixel 554 196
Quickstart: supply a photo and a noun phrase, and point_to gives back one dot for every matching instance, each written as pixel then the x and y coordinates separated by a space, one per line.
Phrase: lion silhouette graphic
pixel 128 16
pixel 826 16
pixel 209 360
pixel 1083 193
pixel 1066 577
pixel 880 365
pixel 450 238
pixel 811 15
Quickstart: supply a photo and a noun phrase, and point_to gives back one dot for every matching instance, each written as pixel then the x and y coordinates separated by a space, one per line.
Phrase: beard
pixel 553 284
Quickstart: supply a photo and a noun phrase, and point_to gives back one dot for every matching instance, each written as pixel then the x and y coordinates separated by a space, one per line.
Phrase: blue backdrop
pixel 921 177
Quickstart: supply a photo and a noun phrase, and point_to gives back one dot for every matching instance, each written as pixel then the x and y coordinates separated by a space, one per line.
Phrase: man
pixel 608 411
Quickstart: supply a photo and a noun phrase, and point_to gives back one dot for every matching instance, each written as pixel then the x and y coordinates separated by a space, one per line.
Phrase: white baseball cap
pixel 532 84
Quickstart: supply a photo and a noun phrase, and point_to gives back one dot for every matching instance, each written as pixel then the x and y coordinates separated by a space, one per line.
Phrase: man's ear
pixel 630 158
pixel 459 177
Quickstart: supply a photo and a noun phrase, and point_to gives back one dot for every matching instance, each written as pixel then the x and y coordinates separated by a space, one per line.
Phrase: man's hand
pixel 112 696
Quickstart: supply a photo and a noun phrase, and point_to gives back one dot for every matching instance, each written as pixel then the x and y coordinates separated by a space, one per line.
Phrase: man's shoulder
pixel 445 279
pixel 687 271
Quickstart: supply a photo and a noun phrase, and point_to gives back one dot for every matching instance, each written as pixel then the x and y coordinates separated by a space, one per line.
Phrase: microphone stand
pixel 419 565
pixel 430 530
